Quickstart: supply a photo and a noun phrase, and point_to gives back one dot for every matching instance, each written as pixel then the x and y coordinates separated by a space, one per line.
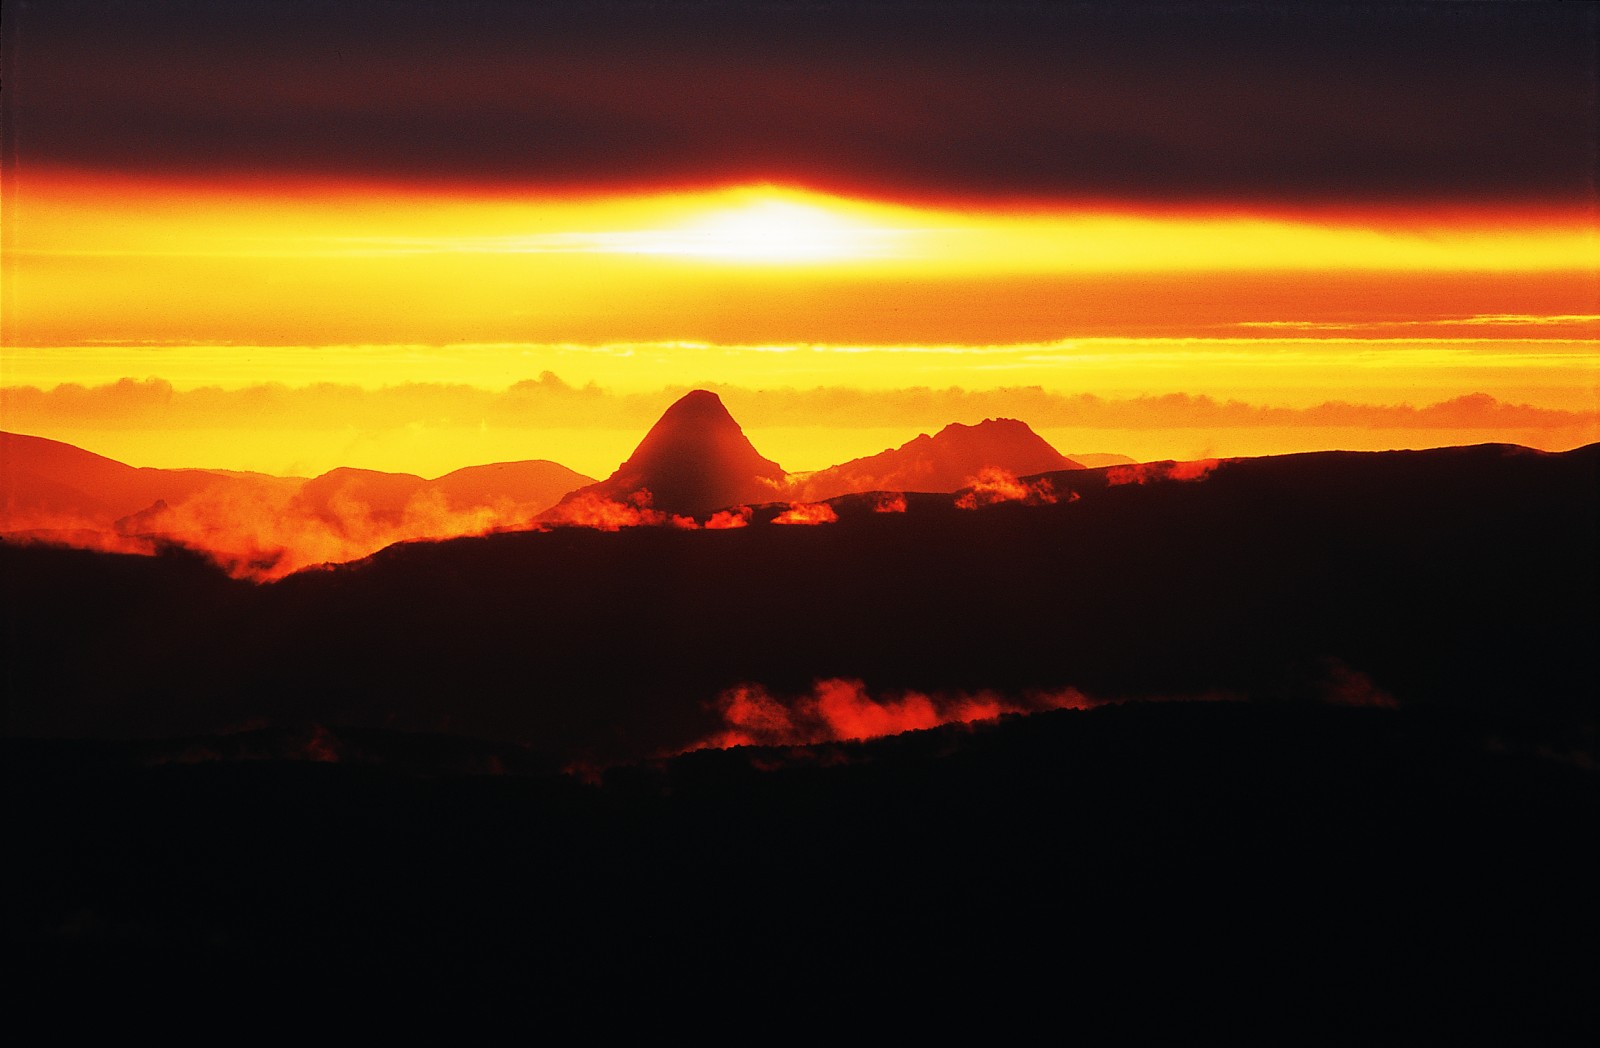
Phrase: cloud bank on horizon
pixel 550 403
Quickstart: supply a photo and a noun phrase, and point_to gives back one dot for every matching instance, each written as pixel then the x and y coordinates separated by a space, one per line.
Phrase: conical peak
pixel 695 460
pixel 698 402
pixel 694 415
pixel 698 424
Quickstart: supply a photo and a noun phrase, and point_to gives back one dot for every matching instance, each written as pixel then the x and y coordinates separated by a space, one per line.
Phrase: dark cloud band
pixel 1347 102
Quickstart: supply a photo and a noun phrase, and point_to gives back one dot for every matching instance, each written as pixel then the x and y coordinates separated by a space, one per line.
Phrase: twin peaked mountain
pixel 696 460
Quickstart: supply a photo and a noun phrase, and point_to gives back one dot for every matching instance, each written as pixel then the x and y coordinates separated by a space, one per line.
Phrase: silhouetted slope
pixel 1099 459
pixel 531 484
pixel 947 461
pixel 1284 873
pixel 695 460
pixel 1460 580
pixel 41 478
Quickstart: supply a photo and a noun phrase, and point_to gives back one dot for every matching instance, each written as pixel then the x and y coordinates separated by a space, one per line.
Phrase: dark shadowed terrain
pixel 1461 580
pixel 1264 872
pixel 344 784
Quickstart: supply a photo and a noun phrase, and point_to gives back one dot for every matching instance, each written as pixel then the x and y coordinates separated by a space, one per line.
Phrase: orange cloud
pixel 1154 472
pixel 838 710
pixel 592 510
pixel 889 502
pixel 55 529
pixel 993 486
pixel 264 528
pixel 807 513
pixel 260 532
pixel 737 517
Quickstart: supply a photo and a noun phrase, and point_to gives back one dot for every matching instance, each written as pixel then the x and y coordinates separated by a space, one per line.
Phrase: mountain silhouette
pixel 695 460
pixel 951 459
pixel 48 478
pixel 1101 458
pixel 532 483
pixel 255 524
pixel 528 486
pixel 55 481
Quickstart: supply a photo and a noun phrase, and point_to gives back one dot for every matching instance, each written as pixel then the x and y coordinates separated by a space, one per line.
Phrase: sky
pixel 287 236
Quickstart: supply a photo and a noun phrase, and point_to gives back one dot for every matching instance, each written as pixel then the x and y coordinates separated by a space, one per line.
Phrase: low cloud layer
pixel 265 531
pixel 551 403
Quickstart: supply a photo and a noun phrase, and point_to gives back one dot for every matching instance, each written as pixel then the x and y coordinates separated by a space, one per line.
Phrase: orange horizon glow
pixel 299 284
pixel 68 214
pixel 430 430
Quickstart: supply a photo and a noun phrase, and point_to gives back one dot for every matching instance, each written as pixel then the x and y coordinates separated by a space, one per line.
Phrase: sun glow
pixel 766 228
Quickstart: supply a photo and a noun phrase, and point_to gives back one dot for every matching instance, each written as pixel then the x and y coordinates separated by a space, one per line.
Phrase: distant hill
pixel 1095 461
pixel 257 524
pixel 534 484
pixel 947 461
pixel 42 479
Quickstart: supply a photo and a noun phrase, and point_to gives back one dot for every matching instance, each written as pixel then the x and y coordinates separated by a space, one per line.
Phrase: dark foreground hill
pixel 339 788
pixel 1459 579
pixel 1274 874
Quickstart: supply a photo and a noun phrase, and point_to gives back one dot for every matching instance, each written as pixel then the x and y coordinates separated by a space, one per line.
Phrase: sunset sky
pixel 287 236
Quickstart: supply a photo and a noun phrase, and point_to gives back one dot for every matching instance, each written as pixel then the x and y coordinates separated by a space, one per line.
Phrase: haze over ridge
pixel 693 462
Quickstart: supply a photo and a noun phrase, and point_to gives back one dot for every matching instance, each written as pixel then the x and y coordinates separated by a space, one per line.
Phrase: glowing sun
pixel 769 228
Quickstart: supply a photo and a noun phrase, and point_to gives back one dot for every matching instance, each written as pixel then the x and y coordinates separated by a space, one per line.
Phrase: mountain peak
pixel 695 460
pixel 698 400
pixel 946 461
